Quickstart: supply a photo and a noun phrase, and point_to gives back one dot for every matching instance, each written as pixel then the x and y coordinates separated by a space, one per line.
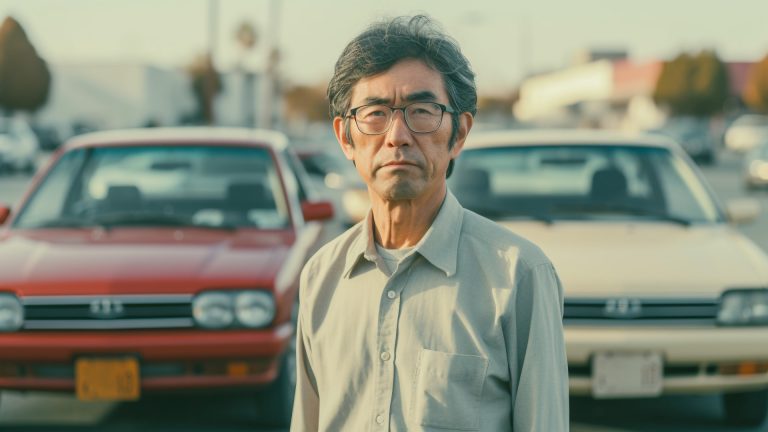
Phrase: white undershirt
pixel 393 257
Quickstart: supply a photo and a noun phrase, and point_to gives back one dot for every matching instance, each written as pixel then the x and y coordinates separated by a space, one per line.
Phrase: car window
pixel 50 197
pixel 166 185
pixel 575 182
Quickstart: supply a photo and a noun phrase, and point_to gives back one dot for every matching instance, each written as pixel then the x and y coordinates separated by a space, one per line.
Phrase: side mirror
pixel 742 210
pixel 5 211
pixel 317 211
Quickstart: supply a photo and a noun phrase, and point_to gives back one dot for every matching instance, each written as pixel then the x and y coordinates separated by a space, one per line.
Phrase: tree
pixel 709 86
pixel 755 93
pixel 672 83
pixel 25 79
pixel 206 84
pixel 693 85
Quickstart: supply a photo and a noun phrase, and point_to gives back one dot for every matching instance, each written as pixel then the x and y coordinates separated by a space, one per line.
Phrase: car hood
pixel 648 259
pixel 140 261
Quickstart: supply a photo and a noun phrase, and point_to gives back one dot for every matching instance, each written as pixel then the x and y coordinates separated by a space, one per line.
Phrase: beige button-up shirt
pixel 465 334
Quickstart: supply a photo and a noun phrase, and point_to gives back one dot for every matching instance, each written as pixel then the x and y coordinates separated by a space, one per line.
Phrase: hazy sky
pixel 502 39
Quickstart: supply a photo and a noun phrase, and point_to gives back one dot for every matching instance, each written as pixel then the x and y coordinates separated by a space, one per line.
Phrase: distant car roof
pixel 181 135
pixel 546 137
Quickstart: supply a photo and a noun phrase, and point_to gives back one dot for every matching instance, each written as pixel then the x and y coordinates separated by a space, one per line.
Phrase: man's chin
pixel 402 190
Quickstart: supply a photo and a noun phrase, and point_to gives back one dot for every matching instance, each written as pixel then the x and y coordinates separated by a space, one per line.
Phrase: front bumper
pixel 696 359
pixel 167 359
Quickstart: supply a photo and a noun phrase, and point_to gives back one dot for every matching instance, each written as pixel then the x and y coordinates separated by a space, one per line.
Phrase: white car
pixel 18 145
pixel 746 132
pixel 336 179
pixel 662 293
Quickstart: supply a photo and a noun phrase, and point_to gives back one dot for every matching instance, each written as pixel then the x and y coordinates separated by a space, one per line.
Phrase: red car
pixel 156 260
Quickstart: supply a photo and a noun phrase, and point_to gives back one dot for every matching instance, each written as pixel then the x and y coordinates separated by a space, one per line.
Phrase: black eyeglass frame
pixel 443 108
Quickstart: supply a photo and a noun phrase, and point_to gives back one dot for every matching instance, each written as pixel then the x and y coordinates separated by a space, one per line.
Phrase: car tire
pixel 746 408
pixel 275 403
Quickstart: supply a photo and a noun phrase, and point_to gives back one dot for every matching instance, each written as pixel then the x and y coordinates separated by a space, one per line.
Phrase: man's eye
pixel 377 113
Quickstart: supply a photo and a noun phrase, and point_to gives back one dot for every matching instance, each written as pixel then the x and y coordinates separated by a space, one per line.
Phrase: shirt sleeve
pixel 540 368
pixel 306 402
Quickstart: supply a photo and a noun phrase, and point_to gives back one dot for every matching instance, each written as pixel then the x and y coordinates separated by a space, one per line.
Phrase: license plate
pixel 107 379
pixel 616 375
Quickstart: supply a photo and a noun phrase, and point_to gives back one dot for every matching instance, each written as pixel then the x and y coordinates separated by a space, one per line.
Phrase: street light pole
pixel 269 86
pixel 213 29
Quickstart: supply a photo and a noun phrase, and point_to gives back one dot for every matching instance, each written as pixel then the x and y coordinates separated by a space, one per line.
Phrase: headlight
pixel 221 309
pixel 213 310
pixel 11 313
pixel 254 308
pixel 744 307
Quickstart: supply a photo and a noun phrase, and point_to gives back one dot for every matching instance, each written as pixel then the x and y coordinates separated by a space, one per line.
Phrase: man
pixel 424 316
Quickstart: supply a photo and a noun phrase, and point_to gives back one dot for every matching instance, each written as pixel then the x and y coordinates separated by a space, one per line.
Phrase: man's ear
pixel 345 142
pixel 465 124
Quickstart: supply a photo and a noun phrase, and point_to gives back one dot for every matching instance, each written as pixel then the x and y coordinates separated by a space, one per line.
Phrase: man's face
pixel 400 164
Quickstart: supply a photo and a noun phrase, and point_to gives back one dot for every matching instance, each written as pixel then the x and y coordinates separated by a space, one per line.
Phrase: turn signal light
pixel 744 368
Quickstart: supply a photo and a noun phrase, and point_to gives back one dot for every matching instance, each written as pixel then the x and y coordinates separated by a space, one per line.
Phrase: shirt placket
pixel 389 317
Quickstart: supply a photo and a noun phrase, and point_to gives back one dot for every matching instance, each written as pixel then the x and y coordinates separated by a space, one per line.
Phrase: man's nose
pixel 398 134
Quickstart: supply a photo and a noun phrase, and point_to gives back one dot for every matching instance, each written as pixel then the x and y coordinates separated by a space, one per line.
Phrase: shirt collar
pixel 439 246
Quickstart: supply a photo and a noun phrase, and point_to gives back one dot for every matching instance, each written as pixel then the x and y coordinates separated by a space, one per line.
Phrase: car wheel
pixel 275 403
pixel 746 408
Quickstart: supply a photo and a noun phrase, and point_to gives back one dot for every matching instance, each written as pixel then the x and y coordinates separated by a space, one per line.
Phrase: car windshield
pixel 599 182
pixel 205 186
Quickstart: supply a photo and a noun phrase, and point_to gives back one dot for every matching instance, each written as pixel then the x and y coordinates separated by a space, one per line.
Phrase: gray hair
pixel 386 43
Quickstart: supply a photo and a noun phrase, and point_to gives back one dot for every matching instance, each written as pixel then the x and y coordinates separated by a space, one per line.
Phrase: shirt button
pixel 391 294
pixel 379 419
pixel 385 356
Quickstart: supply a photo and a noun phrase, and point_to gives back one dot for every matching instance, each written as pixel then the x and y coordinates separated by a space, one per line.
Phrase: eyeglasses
pixel 420 117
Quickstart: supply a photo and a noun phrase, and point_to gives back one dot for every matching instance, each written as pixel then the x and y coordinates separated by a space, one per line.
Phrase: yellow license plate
pixel 107 379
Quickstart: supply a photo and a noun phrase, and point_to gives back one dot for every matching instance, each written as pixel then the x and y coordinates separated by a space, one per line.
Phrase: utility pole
pixel 213 29
pixel 269 81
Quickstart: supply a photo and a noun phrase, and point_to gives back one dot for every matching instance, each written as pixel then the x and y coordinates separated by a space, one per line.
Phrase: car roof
pixel 548 137
pixel 181 135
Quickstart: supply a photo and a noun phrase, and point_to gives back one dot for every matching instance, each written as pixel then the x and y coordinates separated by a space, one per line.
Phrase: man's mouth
pixel 399 163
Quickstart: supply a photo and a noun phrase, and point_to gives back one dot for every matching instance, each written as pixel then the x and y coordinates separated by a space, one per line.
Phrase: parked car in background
pixel 337 180
pixel 694 135
pixel 47 137
pixel 755 166
pixel 662 294
pixel 746 132
pixel 163 259
pixel 18 145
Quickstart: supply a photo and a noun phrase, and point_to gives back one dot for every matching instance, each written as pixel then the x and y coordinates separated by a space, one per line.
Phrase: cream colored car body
pixel 647 260
pixel 637 261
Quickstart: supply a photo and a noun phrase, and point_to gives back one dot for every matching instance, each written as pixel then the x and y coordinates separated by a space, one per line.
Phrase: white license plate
pixel 616 375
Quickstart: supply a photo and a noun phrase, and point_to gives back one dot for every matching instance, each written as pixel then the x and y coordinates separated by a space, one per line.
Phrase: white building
pixel 112 96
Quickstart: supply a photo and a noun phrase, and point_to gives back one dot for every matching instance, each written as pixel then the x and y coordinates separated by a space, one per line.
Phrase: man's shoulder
pixel 502 241
pixel 336 250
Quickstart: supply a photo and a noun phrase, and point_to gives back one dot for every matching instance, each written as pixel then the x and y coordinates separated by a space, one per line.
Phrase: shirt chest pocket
pixel 447 390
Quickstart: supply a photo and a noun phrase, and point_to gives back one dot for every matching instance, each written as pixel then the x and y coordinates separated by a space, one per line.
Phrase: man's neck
pixel 401 224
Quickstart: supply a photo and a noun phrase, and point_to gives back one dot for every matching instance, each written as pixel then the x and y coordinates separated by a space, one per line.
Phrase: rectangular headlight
pixel 744 307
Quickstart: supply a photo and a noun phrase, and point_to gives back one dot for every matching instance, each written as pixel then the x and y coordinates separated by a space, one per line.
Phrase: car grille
pixel 640 311
pixel 107 312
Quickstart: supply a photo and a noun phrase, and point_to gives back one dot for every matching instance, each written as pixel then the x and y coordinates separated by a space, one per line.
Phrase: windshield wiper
pixel 632 210
pixel 67 222
pixel 156 219
pixel 499 214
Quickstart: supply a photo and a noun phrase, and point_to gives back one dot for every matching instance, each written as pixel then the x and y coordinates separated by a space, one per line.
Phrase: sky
pixel 503 39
